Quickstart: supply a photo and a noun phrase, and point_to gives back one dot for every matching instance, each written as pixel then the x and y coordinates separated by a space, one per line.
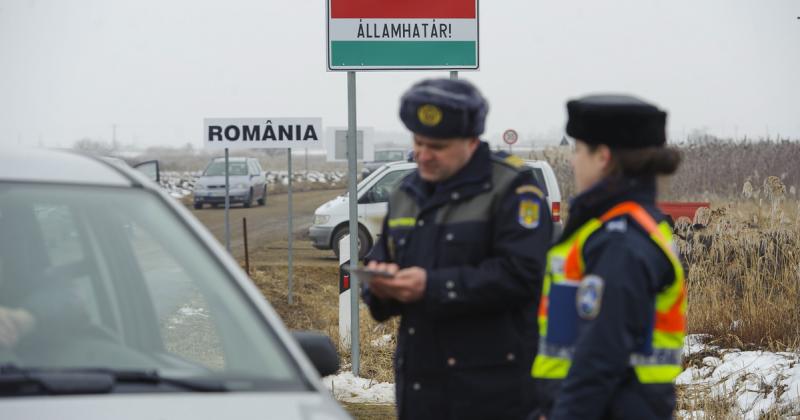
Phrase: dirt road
pixel 267 226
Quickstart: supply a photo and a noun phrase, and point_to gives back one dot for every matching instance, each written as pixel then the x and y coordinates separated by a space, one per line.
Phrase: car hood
pixel 333 206
pixel 188 406
pixel 220 180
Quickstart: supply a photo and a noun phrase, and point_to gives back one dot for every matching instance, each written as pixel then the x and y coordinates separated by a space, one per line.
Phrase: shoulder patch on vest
pixel 529 209
pixel 589 297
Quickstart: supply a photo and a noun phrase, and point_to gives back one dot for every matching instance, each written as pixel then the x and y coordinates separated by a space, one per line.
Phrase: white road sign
pixel 264 133
pixel 510 136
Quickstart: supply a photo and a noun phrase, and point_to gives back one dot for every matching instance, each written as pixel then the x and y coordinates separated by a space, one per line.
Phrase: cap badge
pixel 429 115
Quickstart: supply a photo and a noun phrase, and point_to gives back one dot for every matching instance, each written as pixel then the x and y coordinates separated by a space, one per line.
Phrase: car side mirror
pixel 149 169
pixel 319 348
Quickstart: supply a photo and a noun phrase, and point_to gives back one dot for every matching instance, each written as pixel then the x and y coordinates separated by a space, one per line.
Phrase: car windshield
pixel 217 168
pixel 538 175
pixel 113 279
pixel 389 155
pixel 366 181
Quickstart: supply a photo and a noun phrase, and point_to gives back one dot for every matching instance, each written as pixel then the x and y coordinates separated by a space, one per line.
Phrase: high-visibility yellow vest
pixel 659 361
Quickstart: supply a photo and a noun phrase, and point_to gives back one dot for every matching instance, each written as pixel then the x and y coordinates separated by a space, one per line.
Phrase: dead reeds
pixel 744 271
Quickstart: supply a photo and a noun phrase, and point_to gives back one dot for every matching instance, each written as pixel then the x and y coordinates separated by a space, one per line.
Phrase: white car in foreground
pixel 331 219
pixel 116 303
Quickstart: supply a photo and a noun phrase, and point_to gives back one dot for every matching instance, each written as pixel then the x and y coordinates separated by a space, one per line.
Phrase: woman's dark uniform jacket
pixel 601 384
pixel 465 350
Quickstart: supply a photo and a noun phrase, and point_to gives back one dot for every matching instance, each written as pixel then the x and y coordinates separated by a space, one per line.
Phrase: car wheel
pixel 364 241
pixel 198 206
pixel 248 202
pixel 263 199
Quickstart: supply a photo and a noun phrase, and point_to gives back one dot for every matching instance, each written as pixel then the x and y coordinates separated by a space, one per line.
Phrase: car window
pixel 380 192
pixel 538 175
pixel 255 167
pixel 187 324
pixel 116 280
pixel 217 168
pixel 59 229
pixel 389 155
pixel 64 248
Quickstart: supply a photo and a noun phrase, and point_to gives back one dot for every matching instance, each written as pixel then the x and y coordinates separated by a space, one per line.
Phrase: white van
pixel 331 219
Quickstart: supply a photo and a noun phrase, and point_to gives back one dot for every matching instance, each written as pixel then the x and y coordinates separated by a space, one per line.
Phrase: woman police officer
pixel 612 312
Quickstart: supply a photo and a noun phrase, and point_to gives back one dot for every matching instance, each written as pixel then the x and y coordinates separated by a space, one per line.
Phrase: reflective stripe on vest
pixel 660 363
pixel 402 222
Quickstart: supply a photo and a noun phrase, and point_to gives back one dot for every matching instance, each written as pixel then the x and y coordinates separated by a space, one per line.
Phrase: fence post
pixel 344 292
pixel 246 253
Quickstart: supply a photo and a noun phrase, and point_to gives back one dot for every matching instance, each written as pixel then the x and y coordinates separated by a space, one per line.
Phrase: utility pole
pixel 114 136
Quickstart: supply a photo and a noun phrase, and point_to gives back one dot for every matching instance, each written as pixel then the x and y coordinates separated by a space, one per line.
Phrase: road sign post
pixel 510 137
pixel 352 153
pixel 263 133
pixel 290 281
pixel 227 205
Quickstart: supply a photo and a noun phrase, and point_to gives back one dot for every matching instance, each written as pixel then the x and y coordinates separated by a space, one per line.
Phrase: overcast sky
pixel 73 68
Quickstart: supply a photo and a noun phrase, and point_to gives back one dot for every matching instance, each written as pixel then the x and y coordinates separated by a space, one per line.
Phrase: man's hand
pixel 376 287
pixel 407 285
pixel 14 324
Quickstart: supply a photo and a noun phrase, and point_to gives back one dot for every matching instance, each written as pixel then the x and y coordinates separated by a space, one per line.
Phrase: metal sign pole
pixel 291 216
pixel 453 75
pixel 227 205
pixel 352 154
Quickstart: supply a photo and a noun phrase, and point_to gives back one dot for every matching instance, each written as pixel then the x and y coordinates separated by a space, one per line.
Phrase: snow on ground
pixel 181 184
pixel 349 388
pixel 382 341
pixel 184 313
pixel 755 381
pixel 187 310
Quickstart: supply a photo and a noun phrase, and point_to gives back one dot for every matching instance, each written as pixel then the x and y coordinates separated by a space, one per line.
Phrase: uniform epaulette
pixel 507 159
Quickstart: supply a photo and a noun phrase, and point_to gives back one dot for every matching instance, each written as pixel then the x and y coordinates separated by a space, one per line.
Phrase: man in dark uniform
pixel 464 241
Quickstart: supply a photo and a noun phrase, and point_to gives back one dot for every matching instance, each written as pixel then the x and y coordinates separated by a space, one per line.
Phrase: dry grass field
pixel 744 275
